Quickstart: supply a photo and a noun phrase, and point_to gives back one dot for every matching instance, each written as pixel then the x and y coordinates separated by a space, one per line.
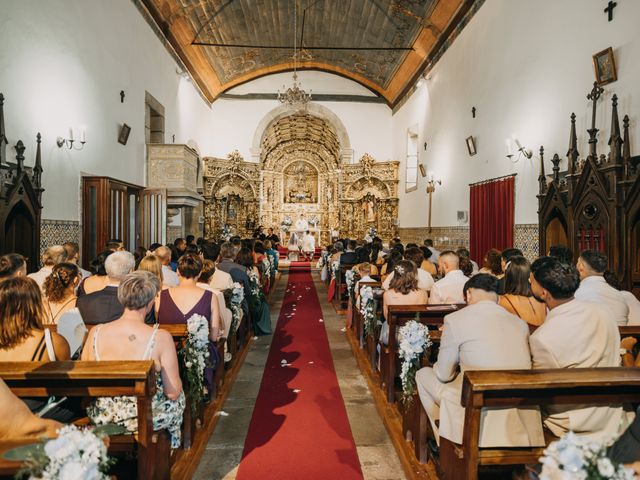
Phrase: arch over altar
pixel 301 171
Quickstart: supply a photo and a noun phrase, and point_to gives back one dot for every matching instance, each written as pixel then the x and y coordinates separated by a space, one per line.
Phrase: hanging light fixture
pixel 294 96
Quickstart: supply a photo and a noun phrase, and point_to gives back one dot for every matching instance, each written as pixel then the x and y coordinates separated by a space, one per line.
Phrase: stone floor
pixel 377 455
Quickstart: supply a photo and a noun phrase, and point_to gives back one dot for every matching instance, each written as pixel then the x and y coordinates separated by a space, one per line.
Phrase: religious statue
pixel 368 207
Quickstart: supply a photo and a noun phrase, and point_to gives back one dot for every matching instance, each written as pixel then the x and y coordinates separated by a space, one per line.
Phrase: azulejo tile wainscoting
pixel 56 232
pixel 452 237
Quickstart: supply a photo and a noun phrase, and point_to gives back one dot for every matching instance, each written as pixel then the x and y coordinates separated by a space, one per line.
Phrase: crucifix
pixel 431 187
pixel 609 9
pixel 594 95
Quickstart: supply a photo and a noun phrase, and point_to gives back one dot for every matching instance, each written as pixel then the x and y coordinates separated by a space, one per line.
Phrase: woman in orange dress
pixel 518 298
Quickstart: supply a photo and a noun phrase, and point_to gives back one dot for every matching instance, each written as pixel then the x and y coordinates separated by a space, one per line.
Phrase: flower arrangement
pixel 193 357
pixel 335 268
pixel 413 341
pixel 313 221
pixel 267 268
pixel 75 455
pixel 226 232
pixel 578 458
pixel 286 223
pixel 350 279
pixel 237 297
pixel 371 234
pixel 368 310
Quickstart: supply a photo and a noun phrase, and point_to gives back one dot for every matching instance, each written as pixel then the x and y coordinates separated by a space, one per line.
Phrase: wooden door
pixel 153 216
pixel 556 234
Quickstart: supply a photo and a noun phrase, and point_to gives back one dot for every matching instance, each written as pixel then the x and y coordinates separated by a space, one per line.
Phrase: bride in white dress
pixel 294 247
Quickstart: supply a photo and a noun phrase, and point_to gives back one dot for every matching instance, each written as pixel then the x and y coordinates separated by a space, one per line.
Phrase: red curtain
pixel 491 216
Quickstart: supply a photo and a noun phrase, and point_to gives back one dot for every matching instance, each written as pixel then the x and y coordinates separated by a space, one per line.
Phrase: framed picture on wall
pixel 125 130
pixel 605 66
pixel 471 146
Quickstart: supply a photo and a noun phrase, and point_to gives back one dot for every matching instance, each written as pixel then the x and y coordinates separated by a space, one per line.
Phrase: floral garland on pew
pixel 76 453
pixel 577 458
pixel 412 342
pixel 237 297
pixel 194 357
pixel 350 279
pixel 335 268
pixel 368 309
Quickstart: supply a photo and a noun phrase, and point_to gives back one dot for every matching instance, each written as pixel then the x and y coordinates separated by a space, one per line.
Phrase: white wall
pixel 525 65
pixel 235 121
pixel 63 63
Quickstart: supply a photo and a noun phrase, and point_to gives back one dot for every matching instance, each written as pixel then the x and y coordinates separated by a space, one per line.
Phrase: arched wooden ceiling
pixel 381 44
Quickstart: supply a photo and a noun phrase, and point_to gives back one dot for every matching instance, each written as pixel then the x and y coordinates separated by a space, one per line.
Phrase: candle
pixel 83 135
pixel 71 134
pixel 509 150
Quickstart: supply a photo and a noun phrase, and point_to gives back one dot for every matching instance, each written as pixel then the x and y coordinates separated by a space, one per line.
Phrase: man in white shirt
pixel 425 280
pixel 301 224
pixel 435 254
pixel 575 334
pixel 51 256
pixel 308 246
pixel 482 336
pixel 450 288
pixel 169 277
pixel 593 287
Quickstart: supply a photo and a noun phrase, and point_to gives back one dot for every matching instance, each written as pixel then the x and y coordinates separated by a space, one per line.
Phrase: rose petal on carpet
pixel 299 428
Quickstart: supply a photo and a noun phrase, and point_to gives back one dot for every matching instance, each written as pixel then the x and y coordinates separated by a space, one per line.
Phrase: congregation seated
pixel 349 256
pixel 482 336
pixel 99 279
pixel 403 290
pixel 575 334
pixel 169 277
pixel 51 256
pixel 73 256
pixel 17 421
pixel 449 289
pixel 59 291
pixel 207 272
pixel 630 299
pixel 258 305
pixel 594 288
pixel 492 263
pixel 425 280
pixel 517 298
pixel 129 338
pixel 177 304
pixel 12 265
pixel 102 306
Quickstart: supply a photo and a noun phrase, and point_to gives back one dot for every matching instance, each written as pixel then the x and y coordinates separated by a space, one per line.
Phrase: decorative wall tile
pixel 56 232
pixel 526 238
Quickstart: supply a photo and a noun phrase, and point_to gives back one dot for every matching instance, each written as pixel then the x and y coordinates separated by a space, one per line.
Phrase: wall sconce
pixel 68 142
pixel 521 150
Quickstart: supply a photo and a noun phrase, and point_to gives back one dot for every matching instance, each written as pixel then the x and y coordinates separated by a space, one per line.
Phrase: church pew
pixel 629 331
pixel 100 379
pixel 357 324
pixel 341 296
pixel 516 388
pixel 399 315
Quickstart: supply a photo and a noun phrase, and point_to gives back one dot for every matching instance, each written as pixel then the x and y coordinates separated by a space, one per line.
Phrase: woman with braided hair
pixel 59 290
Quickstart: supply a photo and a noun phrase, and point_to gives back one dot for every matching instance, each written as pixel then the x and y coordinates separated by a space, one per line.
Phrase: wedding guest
pixel 103 306
pixel 139 254
pixel 219 280
pixel 630 299
pixel 575 334
pixel 427 265
pixel 59 290
pixel 115 245
pixel 562 253
pixel 425 280
pixel 464 253
pixel 518 298
pixel 178 304
pixel 364 271
pixel 506 255
pixel 403 290
pixel 73 256
pixel 349 255
pixel 181 246
pixel 435 253
pixel 151 263
pixel 593 287
pixel 238 272
pixel 492 263
pixel 52 256
pixel 274 256
pixel 129 338
pixel 390 261
pixel 98 280
pixel 12 265
pixel 449 289
pixel 481 336
pixel 258 305
pixel 208 269
pixel 164 254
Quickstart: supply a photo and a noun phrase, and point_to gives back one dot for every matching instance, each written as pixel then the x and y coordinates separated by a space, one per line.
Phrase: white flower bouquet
pixel 226 232
pixel 77 454
pixel 335 268
pixel 286 223
pixel 350 279
pixel 237 297
pixel 577 458
pixel 368 310
pixel 371 234
pixel 254 280
pixel 193 356
pixel 412 342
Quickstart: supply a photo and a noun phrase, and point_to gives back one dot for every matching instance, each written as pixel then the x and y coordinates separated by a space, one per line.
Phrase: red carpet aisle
pixel 299 427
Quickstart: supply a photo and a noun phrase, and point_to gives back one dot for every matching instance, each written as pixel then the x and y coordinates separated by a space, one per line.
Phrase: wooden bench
pixel 520 388
pixel 341 296
pixel 101 379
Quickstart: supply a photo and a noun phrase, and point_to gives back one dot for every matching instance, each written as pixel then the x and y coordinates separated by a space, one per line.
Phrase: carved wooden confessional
pixel 595 203
pixel 20 200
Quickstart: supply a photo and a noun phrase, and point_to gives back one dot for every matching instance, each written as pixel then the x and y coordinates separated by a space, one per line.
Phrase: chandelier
pixel 294 96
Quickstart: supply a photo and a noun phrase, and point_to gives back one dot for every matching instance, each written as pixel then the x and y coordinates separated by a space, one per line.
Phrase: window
pixel 411 172
pixel 153 120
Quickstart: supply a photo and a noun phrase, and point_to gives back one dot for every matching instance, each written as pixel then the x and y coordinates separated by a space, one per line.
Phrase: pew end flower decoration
pixel 77 453
pixel 368 309
pixel 335 269
pixel 194 357
pixel 575 457
pixel 413 341
pixel 237 297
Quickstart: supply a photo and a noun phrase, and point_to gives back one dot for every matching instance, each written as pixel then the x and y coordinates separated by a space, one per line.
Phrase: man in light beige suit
pixel 482 336
pixel 449 288
pixel 575 334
